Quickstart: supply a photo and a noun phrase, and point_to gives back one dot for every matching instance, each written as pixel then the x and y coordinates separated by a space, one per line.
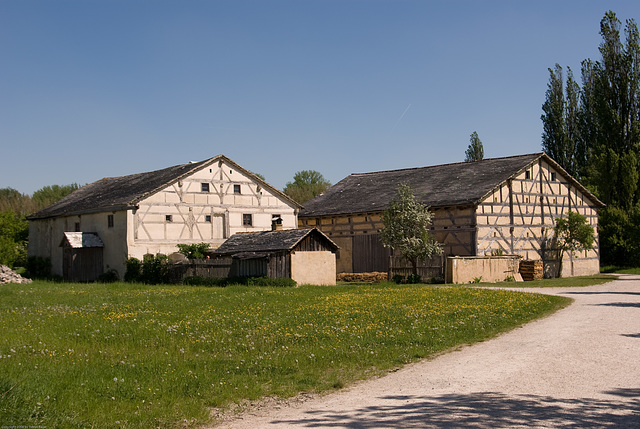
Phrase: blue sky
pixel 97 88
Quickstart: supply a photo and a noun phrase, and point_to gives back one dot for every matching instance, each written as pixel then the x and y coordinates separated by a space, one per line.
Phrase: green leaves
pixel 406 227
pixel 306 185
pixel 574 233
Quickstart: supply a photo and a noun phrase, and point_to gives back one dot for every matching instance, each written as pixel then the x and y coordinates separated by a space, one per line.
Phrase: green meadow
pixel 139 356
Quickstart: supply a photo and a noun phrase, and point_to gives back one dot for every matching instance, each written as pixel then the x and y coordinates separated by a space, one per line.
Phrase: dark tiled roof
pixel 119 193
pixel 268 241
pixel 464 183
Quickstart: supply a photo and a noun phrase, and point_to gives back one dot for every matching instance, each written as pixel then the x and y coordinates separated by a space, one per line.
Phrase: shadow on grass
pixel 484 410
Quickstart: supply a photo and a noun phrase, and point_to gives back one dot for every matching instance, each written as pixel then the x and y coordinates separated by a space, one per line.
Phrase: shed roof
pixel 269 241
pixel 125 192
pixel 463 183
pixel 79 240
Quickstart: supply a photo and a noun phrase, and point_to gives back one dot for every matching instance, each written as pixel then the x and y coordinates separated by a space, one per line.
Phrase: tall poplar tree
pixel 560 120
pixel 475 151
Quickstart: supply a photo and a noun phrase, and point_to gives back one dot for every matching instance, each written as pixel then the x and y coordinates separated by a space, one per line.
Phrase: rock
pixel 7 275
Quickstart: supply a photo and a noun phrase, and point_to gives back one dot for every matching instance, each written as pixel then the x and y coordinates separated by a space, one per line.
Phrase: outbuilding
pixel 305 255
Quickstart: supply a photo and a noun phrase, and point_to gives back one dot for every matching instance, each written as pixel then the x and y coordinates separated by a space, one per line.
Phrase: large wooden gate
pixel 369 255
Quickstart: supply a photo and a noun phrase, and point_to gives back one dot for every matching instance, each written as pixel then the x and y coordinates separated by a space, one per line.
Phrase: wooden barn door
pixel 369 254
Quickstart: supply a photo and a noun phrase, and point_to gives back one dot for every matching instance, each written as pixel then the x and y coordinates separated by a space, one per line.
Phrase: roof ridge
pixel 446 164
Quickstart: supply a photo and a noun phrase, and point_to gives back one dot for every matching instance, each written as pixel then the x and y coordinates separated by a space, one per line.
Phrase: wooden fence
pixel 217 267
pixel 428 269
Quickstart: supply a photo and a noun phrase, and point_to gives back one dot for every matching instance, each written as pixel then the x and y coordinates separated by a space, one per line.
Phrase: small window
pixel 527 175
pixel 77 226
pixel 205 187
pixel 207 218
pixel 110 221
pixel 168 218
pixel 553 177
pixel 236 189
pixel 247 220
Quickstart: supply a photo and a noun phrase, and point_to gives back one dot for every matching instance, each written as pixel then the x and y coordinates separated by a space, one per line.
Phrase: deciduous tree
pixel 406 228
pixel 306 185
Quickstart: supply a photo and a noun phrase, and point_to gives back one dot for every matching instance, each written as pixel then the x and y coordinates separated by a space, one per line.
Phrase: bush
pixel 152 270
pixel 110 276
pixel 133 272
pixel 38 268
pixel 193 251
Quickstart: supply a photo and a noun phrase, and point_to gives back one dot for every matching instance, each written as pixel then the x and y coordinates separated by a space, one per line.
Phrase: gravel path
pixel 578 368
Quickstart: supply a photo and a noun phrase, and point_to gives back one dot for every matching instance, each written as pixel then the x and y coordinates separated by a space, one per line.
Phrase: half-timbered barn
pixel 206 201
pixel 304 255
pixel 494 206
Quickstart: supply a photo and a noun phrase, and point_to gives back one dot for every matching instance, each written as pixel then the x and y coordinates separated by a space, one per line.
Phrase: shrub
pixel 193 251
pixel 38 268
pixel 133 272
pixel 110 276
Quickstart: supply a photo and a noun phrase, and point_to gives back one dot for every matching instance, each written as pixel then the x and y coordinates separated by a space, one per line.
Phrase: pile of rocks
pixel 7 275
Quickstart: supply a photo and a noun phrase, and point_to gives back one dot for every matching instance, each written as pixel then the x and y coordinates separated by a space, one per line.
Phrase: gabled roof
pixel 125 192
pixel 270 241
pixel 463 183
pixel 79 240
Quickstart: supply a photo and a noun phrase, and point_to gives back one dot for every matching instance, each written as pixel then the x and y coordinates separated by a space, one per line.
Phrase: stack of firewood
pixel 531 270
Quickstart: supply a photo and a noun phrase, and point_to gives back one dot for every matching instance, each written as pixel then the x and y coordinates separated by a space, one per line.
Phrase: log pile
pixel 362 277
pixel 531 270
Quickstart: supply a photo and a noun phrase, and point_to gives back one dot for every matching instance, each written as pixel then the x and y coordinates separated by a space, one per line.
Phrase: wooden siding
pixel 517 218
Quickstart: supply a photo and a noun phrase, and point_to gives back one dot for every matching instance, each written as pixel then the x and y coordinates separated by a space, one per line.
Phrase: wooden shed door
pixel 369 254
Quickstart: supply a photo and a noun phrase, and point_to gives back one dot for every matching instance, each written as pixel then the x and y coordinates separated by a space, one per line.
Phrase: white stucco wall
pixel 316 268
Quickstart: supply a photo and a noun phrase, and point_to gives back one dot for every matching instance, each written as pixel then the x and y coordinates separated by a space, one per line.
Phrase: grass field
pixel 138 356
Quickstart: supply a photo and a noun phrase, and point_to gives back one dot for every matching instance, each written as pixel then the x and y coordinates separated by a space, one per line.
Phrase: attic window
pixel 527 175
pixel 553 177
pixel 168 218
pixel 110 221
pixel 204 187
pixel 236 189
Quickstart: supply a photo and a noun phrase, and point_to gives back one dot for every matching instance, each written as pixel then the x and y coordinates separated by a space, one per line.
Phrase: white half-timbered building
pixel 149 213
pixel 501 205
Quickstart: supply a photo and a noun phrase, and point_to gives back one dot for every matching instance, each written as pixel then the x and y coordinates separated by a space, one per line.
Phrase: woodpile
pixel 362 277
pixel 531 270
pixel 7 275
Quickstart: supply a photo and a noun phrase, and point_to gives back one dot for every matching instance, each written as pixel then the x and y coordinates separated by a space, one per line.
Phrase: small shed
pixel 305 255
pixel 81 256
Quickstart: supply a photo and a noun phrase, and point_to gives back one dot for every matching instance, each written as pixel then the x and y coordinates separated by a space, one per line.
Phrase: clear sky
pixel 97 88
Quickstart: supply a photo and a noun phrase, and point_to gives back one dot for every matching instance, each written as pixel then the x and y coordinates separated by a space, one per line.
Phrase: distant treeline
pixel 14 228
pixel 22 205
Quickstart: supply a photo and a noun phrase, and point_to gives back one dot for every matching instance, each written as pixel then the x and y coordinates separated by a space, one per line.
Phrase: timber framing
pixel 495 206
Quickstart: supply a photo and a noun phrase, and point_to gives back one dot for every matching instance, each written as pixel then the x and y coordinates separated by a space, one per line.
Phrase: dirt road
pixel 578 368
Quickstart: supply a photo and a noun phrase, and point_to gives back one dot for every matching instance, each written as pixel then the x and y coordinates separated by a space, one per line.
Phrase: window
pixel 205 187
pixel 236 189
pixel 207 218
pixel 168 218
pixel 247 220
pixel 77 225
pixel 553 177
pixel 527 174
pixel 110 221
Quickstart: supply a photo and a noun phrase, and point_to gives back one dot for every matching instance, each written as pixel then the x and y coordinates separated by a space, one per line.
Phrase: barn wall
pixel 316 268
pixel 46 235
pixel 519 218
pixel 188 205
pixel 362 251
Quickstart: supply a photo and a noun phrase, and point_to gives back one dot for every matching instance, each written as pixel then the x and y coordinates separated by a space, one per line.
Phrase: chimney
pixel 276 223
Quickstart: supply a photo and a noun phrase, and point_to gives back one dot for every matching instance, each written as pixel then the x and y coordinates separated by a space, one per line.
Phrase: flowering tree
pixel 406 228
